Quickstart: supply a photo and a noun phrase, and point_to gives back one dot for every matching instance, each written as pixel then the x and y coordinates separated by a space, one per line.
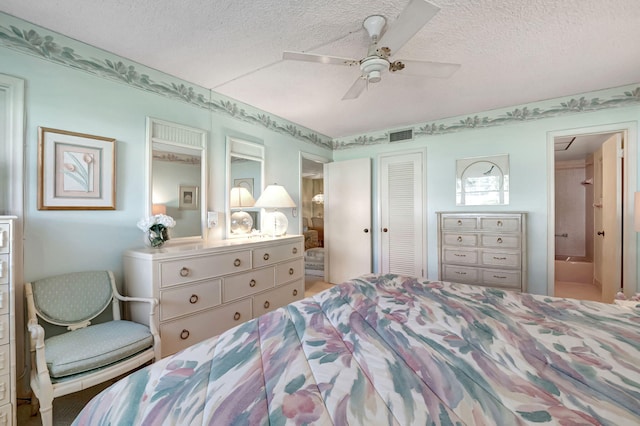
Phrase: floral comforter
pixel 388 349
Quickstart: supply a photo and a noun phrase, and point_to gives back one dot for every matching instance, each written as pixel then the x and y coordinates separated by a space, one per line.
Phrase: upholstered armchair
pixel 78 354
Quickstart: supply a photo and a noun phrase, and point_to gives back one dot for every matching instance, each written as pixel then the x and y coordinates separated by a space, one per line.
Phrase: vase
pixel 155 239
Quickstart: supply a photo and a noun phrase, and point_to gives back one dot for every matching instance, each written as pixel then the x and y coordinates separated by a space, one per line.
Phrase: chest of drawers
pixel 204 290
pixel 483 249
pixel 7 323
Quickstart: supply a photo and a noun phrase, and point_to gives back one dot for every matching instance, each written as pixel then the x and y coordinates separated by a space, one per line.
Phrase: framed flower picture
pixel 76 171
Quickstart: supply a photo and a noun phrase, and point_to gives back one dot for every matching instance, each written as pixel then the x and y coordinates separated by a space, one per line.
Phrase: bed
pixel 389 349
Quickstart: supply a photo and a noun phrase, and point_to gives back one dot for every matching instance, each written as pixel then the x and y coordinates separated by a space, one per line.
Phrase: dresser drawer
pixel 4 268
pixel 5 390
pixel 453 222
pixel 463 240
pixel 288 271
pixel 184 332
pixel 500 240
pixel 5 359
pixel 4 329
pixel 505 279
pixel 502 224
pixel 453 255
pixel 199 268
pixel 279 296
pixel 190 298
pixel 247 283
pixel 5 237
pixel 460 274
pixel 269 255
pixel 4 299
pixel 6 415
pixel 500 259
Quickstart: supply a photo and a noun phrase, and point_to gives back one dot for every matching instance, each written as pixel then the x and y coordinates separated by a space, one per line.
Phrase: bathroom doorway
pixel 589 252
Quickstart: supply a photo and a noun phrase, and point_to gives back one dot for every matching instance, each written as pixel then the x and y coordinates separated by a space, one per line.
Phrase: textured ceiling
pixel 511 51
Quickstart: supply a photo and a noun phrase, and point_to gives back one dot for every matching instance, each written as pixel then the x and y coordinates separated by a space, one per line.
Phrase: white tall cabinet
pixel 7 322
pixel 205 289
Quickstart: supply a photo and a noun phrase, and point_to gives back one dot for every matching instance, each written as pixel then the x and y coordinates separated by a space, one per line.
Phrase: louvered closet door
pixel 401 214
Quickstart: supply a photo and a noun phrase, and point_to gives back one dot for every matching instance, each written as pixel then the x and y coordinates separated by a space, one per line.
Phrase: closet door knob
pixel 601 233
pixel 385 230
pixel 366 230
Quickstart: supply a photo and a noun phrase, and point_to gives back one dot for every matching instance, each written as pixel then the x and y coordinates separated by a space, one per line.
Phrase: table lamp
pixel 275 197
pixel 241 222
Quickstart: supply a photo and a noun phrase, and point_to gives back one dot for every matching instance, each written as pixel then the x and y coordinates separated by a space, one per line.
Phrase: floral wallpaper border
pixel 24 37
pixel 593 101
pixel 47 45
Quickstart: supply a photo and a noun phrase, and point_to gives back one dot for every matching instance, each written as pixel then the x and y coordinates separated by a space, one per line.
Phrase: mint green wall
pixel 64 98
pixel 526 144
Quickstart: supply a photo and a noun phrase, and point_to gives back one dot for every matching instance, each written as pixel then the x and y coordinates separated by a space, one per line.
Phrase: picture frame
pixel 244 183
pixel 188 197
pixel 76 171
pixel 482 180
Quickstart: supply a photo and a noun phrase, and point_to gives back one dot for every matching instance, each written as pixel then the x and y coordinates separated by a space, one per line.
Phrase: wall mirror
pixel 482 181
pixel 177 177
pixel 245 181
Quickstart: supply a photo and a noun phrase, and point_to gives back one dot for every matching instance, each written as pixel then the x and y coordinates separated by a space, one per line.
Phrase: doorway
pixel 312 221
pixel 592 253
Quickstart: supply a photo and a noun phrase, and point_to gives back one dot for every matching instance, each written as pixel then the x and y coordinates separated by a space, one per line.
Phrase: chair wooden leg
pixel 46 414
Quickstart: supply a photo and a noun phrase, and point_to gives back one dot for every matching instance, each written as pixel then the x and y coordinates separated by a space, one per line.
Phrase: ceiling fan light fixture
pixel 374 77
pixel 374 25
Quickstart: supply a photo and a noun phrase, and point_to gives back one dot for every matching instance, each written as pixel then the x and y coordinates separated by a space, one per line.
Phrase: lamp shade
pixel 158 209
pixel 274 197
pixel 240 197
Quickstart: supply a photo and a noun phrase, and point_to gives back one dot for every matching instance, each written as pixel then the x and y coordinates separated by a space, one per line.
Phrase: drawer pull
pixel 499 223
pixel 237 262
pixel 459 255
pixel 499 258
pixel 266 256
pixel 266 304
pixel 499 240
pixel 184 335
pixel 295 250
pixel 193 299
pixel 459 239
pixel 184 272
pixel 500 277
pixel 236 316
pixel 461 273
pixel 2 238
pixel 295 291
pixel 459 222
pixel 291 271
pixel 252 283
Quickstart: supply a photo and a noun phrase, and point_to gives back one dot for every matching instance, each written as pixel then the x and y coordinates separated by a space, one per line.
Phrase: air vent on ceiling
pixel 401 135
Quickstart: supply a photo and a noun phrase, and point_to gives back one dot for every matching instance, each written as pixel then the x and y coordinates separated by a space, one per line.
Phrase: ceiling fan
pixel 383 46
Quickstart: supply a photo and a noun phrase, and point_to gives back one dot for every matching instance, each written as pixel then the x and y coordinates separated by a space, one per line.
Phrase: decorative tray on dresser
pixel 205 289
pixel 483 248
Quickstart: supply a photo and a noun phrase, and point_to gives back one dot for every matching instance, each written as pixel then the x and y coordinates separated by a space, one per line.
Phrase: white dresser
pixel 205 289
pixel 483 248
pixel 7 323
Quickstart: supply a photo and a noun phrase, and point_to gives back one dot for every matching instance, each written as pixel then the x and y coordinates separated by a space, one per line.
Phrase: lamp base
pixel 275 224
pixel 241 223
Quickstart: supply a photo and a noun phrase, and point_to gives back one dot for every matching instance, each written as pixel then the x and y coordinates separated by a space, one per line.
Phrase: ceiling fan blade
pixel 428 69
pixel 356 89
pixel 411 20
pixel 323 59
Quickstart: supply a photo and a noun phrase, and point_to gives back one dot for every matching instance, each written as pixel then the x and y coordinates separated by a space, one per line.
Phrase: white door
pixel 347 212
pixel 610 234
pixel 401 214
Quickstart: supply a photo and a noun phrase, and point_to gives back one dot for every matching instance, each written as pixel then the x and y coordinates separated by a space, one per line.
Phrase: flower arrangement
pixel 157 228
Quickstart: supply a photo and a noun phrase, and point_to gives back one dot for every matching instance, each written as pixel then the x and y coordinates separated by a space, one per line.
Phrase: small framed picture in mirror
pixel 188 197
